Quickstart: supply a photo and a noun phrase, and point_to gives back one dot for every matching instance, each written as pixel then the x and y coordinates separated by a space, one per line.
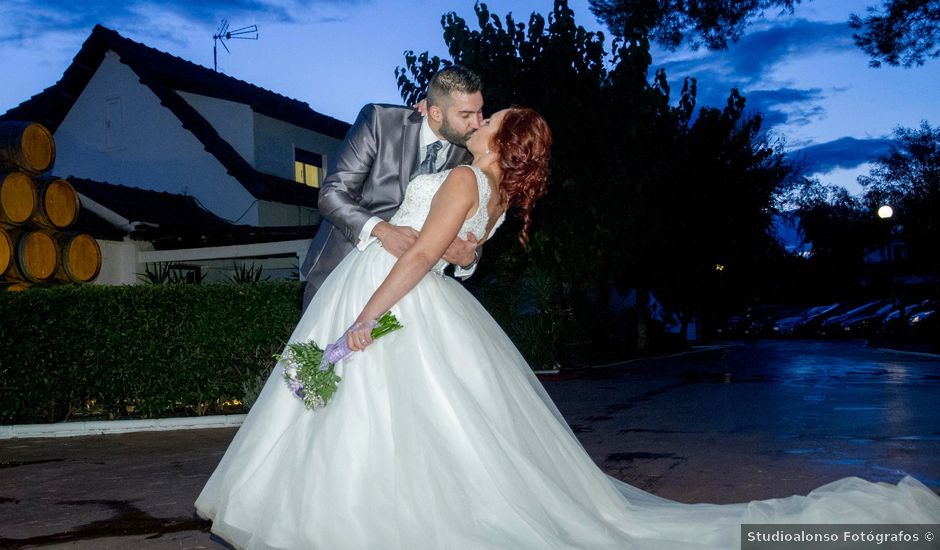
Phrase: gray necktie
pixel 430 160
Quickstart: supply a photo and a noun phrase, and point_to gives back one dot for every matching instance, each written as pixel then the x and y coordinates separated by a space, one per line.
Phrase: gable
pixel 168 77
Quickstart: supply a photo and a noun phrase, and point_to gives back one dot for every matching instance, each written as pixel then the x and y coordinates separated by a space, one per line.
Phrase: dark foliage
pixel 643 193
pixel 713 23
pixel 905 33
pixel 908 179
pixel 149 350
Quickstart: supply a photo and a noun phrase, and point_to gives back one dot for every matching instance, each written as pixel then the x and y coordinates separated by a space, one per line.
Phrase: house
pixel 134 118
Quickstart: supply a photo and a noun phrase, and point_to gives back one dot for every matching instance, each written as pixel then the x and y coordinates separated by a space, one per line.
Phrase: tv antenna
pixel 223 33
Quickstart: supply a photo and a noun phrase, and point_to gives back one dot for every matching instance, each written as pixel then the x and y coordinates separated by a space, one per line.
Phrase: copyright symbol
pixel 928 536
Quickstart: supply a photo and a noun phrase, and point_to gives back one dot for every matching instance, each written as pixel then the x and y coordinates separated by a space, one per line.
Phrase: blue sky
pixel 818 95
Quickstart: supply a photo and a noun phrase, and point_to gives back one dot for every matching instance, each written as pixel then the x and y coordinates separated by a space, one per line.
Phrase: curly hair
pixel 524 143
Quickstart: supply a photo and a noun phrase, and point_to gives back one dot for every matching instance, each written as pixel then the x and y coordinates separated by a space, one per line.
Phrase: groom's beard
pixel 453 136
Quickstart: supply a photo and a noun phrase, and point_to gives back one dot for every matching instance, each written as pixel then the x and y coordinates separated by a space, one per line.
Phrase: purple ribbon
pixel 339 350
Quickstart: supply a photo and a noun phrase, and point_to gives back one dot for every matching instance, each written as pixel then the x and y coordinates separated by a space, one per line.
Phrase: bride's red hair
pixel 524 143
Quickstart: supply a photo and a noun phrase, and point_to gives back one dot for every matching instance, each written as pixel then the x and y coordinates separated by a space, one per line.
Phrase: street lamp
pixel 886 213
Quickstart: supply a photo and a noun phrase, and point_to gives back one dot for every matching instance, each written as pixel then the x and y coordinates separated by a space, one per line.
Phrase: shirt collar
pixel 428 137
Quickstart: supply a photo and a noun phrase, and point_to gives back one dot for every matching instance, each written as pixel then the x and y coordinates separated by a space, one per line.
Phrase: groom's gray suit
pixel 366 176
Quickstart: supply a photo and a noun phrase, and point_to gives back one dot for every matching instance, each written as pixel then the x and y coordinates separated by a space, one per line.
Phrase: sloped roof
pixel 167 212
pixel 166 74
pixel 170 221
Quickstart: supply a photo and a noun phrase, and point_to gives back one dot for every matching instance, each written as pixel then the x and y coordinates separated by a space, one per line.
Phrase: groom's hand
pixel 395 238
pixel 462 252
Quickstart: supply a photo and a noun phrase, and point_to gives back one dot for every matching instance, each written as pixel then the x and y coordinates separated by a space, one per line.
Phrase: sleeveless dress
pixel 441 438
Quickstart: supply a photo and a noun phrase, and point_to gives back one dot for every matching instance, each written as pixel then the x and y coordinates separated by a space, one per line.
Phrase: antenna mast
pixel 223 33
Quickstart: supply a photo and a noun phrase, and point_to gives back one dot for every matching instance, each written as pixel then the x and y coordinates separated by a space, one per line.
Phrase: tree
pixel 631 172
pixel 840 229
pixel 908 179
pixel 670 22
pixel 715 206
pixel 904 34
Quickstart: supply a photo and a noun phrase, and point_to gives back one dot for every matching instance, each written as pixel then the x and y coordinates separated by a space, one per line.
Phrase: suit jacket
pixel 366 177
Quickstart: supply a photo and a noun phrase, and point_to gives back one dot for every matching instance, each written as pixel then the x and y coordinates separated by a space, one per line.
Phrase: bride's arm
pixel 451 205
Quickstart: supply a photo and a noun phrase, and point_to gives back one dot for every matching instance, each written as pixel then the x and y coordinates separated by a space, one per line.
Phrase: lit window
pixel 307 167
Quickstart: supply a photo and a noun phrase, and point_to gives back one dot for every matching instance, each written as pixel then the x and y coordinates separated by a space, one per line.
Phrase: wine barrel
pixel 6 252
pixel 18 198
pixel 58 205
pixel 35 257
pixel 79 258
pixel 26 146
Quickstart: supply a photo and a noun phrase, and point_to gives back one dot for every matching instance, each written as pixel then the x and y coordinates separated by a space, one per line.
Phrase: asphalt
pixel 739 422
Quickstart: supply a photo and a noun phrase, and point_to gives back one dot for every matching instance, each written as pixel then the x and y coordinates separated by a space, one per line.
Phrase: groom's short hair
pixel 452 79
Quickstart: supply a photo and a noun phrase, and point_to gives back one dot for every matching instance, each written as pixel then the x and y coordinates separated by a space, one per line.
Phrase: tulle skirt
pixel 440 437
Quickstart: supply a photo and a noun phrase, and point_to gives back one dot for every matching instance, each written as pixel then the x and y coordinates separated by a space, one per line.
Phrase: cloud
pixel 790 106
pixel 845 152
pixel 27 19
pixel 758 52
pixel 749 65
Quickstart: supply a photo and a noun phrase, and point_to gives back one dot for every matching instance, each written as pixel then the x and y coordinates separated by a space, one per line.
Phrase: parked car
pixel 755 321
pixel 833 326
pixel 865 325
pixel 761 322
pixel 809 327
pixel 895 323
pixel 786 325
pixel 922 324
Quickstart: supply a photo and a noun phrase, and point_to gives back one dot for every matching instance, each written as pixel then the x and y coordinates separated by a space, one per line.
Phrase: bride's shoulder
pixel 463 175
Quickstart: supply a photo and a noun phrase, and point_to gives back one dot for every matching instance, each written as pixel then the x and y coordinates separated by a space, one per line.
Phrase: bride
pixel 439 436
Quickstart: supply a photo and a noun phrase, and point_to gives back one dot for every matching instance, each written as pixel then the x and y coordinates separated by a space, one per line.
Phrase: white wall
pixel 118 132
pixel 233 121
pixel 122 261
pixel 146 145
pixel 274 214
pixel 119 264
pixel 275 141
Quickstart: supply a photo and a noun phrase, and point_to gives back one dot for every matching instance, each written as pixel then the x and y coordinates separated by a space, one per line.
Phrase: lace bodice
pixel 416 205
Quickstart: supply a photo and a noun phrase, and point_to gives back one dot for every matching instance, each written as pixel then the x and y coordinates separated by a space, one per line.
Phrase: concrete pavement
pixel 748 421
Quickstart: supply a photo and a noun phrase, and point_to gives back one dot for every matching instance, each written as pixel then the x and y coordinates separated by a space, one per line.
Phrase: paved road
pixel 753 420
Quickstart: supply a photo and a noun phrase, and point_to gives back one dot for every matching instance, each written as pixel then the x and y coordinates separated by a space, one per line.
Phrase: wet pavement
pixel 748 421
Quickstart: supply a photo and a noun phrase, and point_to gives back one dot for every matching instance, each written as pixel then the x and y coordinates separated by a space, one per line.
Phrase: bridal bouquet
pixel 310 371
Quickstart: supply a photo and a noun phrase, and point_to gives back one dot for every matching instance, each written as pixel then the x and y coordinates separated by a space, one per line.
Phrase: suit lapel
pixel 456 156
pixel 409 148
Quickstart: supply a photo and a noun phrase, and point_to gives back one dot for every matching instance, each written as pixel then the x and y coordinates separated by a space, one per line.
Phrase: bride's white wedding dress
pixel 441 438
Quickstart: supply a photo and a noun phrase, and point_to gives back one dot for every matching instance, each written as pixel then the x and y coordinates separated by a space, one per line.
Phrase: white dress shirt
pixel 426 137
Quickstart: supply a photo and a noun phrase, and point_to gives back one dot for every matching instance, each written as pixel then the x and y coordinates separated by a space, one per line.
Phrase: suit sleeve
pixel 348 168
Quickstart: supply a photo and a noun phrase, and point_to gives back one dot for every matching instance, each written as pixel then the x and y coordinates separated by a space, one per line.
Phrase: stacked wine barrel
pixel 35 211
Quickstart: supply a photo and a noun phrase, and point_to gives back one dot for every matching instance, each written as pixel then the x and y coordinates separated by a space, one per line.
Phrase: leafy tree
pixel 715 207
pixel 839 228
pixel 904 34
pixel 670 22
pixel 908 179
pixel 634 177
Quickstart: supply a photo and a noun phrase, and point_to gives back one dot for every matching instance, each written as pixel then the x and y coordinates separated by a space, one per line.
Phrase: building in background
pixel 142 133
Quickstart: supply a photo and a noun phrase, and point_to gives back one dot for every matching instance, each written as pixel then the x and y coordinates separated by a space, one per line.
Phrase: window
pixel 308 167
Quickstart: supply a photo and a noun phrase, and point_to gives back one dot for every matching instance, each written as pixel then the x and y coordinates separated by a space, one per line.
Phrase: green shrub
pixel 150 349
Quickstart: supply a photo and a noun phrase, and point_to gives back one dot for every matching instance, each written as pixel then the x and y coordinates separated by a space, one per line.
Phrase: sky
pixel 819 98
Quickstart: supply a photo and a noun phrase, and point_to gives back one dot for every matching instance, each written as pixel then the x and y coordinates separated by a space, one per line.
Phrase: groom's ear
pixel 435 113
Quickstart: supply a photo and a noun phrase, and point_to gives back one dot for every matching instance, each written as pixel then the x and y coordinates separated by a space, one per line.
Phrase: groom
pixel 368 174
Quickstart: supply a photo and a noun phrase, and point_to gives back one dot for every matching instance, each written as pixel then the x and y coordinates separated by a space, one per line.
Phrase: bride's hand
pixel 421 107
pixel 395 238
pixel 359 336
pixel 462 252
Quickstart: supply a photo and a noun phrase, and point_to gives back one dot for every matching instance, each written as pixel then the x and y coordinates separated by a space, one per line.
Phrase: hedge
pixel 146 350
